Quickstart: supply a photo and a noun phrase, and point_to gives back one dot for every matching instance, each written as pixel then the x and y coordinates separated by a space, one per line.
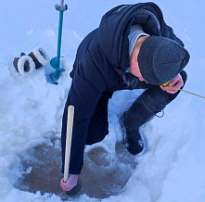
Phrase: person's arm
pixel 86 89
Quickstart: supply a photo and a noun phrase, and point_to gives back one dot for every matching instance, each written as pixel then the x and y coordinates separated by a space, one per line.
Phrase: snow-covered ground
pixel 171 170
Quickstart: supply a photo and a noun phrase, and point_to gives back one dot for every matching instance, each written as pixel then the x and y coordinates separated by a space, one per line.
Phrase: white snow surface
pixel 31 108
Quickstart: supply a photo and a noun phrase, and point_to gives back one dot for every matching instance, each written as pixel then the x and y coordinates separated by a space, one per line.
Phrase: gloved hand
pixel 70 184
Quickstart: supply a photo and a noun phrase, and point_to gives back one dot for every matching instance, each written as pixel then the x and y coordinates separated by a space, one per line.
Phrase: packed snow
pixel 172 167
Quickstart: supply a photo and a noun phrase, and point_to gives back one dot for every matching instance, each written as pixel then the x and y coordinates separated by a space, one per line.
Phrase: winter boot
pixel 24 64
pixel 40 57
pixel 131 121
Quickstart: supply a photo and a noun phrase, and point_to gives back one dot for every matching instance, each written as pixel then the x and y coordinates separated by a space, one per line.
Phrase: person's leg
pixel 152 101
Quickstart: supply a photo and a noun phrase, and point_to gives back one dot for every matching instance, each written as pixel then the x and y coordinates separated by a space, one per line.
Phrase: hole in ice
pixel 103 174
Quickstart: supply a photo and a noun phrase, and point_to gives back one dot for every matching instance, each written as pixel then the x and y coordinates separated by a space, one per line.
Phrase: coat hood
pixel 115 27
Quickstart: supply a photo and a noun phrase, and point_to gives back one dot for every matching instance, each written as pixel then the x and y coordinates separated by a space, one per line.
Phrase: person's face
pixel 135 70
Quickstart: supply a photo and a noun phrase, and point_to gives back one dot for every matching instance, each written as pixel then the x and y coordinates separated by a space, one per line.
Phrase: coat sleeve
pixel 86 89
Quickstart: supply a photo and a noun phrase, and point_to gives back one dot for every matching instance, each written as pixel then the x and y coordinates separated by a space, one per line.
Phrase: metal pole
pixel 55 62
pixel 59 37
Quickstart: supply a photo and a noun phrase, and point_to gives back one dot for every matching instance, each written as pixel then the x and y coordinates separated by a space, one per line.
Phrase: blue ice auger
pixel 55 62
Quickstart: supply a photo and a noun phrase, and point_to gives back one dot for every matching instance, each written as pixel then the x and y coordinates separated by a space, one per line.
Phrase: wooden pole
pixel 68 141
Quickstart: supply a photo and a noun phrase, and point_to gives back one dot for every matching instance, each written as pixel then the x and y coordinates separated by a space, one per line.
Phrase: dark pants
pixel 153 98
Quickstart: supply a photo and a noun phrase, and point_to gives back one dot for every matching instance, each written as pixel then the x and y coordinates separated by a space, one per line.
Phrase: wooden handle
pixel 68 141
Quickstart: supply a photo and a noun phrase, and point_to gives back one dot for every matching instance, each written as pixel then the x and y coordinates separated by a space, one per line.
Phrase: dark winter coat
pixel 101 61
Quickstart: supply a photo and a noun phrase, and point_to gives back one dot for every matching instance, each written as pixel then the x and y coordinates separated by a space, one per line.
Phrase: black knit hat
pixel 160 59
